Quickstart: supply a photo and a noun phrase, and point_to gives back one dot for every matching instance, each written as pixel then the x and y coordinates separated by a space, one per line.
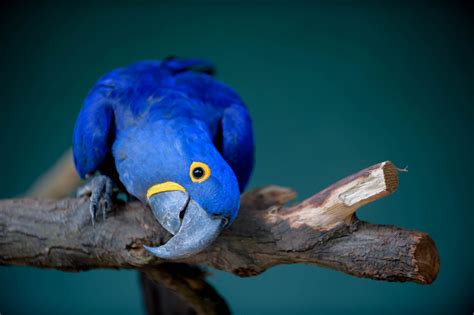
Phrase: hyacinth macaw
pixel 174 138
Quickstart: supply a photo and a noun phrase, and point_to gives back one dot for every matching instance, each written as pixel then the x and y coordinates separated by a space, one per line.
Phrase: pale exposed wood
pixel 321 230
pixel 338 202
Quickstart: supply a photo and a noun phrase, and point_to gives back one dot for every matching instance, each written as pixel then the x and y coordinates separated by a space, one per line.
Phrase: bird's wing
pixel 235 141
pixel 92 139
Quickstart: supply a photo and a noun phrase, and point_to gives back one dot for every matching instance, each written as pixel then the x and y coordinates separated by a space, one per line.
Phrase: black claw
pixel 93 209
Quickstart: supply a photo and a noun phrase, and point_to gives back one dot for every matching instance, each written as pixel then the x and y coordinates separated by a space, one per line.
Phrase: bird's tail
pixel 177 65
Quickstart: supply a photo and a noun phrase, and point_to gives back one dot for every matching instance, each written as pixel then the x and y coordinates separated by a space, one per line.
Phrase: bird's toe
pixel 100 190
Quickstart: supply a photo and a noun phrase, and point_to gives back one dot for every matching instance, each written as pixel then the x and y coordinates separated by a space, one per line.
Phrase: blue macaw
pixel 174 138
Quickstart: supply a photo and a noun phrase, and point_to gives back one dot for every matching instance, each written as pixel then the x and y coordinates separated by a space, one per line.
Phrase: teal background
pixel 332 88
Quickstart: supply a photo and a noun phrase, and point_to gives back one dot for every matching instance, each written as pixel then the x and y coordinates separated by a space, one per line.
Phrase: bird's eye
pixel 199 172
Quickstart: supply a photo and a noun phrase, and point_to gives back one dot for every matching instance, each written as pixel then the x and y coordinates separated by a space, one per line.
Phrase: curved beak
pixel 193 228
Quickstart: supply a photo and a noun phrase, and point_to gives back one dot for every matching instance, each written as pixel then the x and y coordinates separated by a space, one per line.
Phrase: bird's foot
pixel 100 190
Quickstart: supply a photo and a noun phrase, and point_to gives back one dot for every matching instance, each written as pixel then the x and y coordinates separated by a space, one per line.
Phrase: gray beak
pixel 193 228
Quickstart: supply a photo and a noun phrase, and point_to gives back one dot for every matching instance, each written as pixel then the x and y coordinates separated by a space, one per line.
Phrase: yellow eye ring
pixel 199 172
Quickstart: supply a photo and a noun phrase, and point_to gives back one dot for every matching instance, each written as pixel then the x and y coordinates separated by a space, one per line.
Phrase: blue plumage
pixel 147 123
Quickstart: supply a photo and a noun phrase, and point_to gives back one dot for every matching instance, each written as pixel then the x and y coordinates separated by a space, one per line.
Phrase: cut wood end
pixel 426 259
pixel 390 173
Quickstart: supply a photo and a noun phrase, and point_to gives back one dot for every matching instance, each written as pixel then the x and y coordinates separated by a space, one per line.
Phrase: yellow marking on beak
pixel 163 187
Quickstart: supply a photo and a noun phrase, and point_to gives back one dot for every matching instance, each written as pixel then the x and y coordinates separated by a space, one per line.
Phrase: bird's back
pixel 168 88
pixel 174 90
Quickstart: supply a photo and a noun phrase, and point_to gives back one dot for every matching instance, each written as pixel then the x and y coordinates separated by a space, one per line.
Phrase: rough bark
pixel 321 230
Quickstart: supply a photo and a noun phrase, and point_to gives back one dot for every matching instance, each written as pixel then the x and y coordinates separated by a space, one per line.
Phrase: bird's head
pixel 192 191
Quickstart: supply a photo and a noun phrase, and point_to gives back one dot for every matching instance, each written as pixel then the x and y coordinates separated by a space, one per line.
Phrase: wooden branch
pixel 321 230
pixel 161 300
pixel 189 283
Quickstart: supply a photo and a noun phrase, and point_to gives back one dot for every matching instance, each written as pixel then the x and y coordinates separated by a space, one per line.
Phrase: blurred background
pixel 332 89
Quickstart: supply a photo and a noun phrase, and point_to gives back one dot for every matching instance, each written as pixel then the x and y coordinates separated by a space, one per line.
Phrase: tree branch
pixel 321 230
pixel 189 283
